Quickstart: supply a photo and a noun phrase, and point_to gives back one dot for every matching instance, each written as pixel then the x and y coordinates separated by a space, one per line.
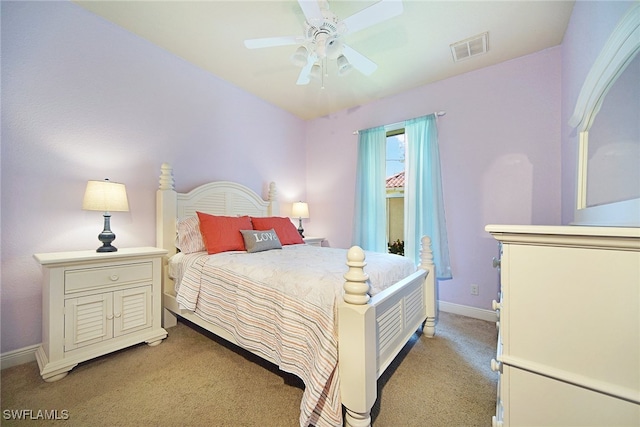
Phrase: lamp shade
pixel 300 210
pixel 105 196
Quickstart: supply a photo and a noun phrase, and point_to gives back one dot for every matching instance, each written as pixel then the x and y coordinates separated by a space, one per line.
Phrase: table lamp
pixel 300 210
pixel 106 196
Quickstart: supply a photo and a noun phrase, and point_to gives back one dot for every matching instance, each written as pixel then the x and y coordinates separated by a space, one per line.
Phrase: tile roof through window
pixel 396 181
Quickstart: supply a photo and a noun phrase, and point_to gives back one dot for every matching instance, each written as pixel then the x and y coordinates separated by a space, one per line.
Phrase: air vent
pixel 473 46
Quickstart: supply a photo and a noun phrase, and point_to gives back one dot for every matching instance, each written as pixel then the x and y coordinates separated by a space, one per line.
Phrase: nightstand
pixel 313 241
pixel 96 303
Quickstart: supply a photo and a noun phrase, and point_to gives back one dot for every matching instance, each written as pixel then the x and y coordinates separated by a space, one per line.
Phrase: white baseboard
pixel 18 357
pixel 465 310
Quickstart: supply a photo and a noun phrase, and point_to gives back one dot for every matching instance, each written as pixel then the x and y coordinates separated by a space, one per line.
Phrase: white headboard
pixel 216 198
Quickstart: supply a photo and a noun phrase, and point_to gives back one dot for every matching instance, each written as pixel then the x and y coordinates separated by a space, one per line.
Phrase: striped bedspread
pixel 282 304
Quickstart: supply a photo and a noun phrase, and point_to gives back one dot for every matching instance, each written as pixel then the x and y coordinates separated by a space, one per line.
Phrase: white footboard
pixel 372 331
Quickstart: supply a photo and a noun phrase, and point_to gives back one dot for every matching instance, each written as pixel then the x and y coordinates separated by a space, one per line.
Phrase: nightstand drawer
pixel 90 278
pixel 314 241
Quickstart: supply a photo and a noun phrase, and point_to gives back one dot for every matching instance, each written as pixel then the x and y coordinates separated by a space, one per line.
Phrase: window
pixel 395 156
pixel 423 201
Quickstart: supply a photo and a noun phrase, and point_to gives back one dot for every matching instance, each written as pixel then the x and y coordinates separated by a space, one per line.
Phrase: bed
pixel 366 326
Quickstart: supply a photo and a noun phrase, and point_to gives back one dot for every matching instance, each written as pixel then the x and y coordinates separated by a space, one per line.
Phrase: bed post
pixel 274 206
pixel 166 212
pixel 357 344
pixel 431 296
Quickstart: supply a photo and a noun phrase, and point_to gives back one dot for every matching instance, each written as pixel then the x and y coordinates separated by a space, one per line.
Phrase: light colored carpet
pixel 194 379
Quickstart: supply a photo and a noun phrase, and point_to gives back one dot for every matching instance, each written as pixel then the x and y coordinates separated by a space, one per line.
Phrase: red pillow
pixel 222 233
pixel 286 231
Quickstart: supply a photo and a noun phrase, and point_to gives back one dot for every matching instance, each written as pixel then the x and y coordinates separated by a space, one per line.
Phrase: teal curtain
pixel 423 201
pixel 370 219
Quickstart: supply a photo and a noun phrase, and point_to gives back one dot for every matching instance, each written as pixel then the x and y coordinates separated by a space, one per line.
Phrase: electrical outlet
pixel 475 290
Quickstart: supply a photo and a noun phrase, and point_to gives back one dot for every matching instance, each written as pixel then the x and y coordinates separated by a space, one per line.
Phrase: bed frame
pixel 372 330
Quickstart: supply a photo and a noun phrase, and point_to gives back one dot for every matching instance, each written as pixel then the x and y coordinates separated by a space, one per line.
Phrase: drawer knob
pixel 496 305
pixel 114 277
pixel 496 366
pixel 118 314
pixel 496 262
pixel 109 316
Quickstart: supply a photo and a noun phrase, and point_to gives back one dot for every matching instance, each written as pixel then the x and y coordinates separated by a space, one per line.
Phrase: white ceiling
pixel 410 50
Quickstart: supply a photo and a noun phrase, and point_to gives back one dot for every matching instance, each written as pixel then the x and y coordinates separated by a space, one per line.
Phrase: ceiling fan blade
pixel 359 61
pixel 374 14
pixel 305 75
pixel 311 10
pixel 272 41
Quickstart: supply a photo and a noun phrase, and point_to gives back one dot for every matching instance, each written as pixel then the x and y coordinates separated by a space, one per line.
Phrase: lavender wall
pixel 82 99
pixel 500 154
pixel 590 26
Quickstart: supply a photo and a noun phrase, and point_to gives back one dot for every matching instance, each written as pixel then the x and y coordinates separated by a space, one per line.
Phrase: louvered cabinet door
pixel 87 320
pixel 95 318
pixel 131 310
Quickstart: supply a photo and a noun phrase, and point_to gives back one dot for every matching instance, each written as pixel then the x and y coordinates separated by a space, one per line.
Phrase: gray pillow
pixel 260 240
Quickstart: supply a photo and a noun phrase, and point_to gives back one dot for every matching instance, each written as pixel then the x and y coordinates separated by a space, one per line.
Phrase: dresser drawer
pixel 91 278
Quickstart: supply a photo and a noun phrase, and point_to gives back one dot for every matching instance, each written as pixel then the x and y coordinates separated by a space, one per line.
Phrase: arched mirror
pixel 607 117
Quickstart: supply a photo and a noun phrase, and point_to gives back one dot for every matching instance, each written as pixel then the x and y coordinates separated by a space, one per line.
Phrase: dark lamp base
pixel 107 236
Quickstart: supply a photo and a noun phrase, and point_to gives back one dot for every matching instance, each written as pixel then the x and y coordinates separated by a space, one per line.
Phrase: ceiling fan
pixel 323 36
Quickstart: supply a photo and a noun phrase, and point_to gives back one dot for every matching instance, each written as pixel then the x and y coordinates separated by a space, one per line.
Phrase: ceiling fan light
pixel 344 67
pixel 316 72
pixel 299 57
pixel 321 45
pixel 333 48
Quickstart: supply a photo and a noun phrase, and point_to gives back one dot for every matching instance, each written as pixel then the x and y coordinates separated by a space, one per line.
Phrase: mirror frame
pixel 620 49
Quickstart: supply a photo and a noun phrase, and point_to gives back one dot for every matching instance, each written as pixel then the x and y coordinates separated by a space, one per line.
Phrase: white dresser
pixel 569 326
pixel 95 303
